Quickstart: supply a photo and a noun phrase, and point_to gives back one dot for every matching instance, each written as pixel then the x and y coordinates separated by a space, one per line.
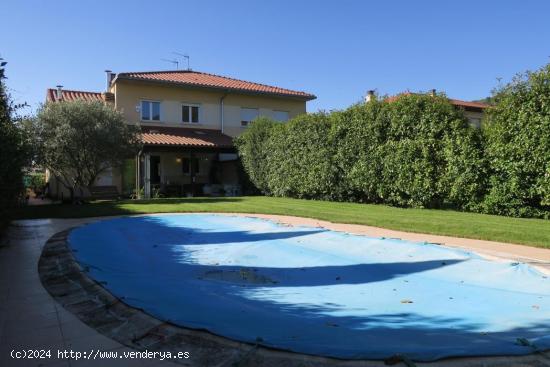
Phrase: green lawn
pixel 532 232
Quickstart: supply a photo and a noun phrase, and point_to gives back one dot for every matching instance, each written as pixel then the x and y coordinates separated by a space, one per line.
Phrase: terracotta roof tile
pixel 174 136
pixel 457 102
pixel 205 80
pixel 72 95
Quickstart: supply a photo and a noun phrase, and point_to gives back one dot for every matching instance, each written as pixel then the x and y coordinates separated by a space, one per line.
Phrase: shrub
pixel 35 181
pixel 13 155
pixel 300 159
pixel 416 151
pixel 252 147
pixel 518 147
pixel 357 133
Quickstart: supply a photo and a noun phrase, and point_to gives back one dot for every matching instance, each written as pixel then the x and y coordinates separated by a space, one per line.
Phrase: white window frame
pixel 150 101
pixel 246 123
pixel 189 105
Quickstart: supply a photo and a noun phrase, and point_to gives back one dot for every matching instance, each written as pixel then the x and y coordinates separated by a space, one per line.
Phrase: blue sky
pixel 337 50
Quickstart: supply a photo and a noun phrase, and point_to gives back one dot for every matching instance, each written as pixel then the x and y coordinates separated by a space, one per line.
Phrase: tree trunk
pixel 71 192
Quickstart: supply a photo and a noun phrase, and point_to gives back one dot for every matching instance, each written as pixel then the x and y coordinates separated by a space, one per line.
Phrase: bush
pixel 518 147
pixel 300 159
pixel 252 147
pixel 414 151
pixel 417 151
pixel 357 133
pixel 432 157
pixel 35 181
pixel 13 156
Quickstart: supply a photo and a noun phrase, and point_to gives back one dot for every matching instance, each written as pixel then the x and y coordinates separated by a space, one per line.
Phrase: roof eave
pixel 307 97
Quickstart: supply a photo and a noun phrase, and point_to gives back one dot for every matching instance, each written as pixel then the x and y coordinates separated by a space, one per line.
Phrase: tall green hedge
pixel 414 151
pixel 517 131
pixel 252 145
pixel 300 159
pixel 357 134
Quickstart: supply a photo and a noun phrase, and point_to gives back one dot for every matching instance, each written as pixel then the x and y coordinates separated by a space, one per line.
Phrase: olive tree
pixel 79 140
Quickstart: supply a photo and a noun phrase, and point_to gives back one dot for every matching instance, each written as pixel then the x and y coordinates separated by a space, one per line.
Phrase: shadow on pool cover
pixel 250 303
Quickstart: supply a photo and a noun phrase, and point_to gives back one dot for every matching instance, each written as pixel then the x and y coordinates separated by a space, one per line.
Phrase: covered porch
pixel 183 162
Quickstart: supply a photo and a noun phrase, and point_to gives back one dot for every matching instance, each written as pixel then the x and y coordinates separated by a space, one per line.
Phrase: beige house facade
pixel 188 121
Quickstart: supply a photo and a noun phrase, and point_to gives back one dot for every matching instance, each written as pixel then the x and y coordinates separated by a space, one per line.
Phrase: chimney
pixel 110 76
pixel 433 93
pixel 59 92
pixel 370 96
pixel 107 95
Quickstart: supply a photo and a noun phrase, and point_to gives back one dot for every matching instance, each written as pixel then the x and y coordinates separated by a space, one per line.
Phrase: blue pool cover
pixel 316 291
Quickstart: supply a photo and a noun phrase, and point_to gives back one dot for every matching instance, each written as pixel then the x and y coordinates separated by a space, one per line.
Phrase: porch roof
pixel 184 137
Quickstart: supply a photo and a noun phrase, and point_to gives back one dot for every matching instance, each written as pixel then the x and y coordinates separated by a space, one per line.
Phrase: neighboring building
pixel 188 120
pixel 473 110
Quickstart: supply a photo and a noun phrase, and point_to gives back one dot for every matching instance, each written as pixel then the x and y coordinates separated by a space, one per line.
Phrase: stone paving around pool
pixel 30 318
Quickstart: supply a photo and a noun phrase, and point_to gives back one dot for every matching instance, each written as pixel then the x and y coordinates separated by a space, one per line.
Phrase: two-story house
pixel 188 120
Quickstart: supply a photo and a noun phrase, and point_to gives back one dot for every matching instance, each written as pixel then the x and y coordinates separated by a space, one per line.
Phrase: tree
pixel 517 131
pixel 13 153
pixel 79 140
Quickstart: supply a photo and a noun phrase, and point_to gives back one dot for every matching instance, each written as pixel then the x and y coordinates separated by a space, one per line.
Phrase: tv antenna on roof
pixel 185 56
pixel 175 62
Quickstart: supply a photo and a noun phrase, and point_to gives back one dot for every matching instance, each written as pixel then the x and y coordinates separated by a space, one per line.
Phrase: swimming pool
pixel 315 291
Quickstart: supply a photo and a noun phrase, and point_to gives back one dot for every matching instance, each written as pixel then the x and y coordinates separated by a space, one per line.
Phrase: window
pixel 281 116
pixel 248 115
pixel 475 122
pixel 150 111
pixel 190 113
pixel 186 165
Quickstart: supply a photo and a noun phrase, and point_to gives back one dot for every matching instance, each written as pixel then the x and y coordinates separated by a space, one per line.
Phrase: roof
pixel 185 137
pixel 212 81
pixel 72 95
pixel 469 106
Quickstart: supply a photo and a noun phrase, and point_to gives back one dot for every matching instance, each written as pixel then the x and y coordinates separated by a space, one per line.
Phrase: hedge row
pixel 416 151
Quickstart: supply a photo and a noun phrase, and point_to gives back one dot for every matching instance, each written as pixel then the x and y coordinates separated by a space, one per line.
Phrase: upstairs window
pixel 281 116
pixel 248 115
pixel 150 111
pixel 190 113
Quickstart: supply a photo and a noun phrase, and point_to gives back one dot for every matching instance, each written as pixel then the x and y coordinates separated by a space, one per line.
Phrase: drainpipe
pixel 138 164
pixel 221 111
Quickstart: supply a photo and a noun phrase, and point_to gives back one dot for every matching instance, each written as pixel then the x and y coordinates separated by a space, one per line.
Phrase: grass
pixel 532 232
